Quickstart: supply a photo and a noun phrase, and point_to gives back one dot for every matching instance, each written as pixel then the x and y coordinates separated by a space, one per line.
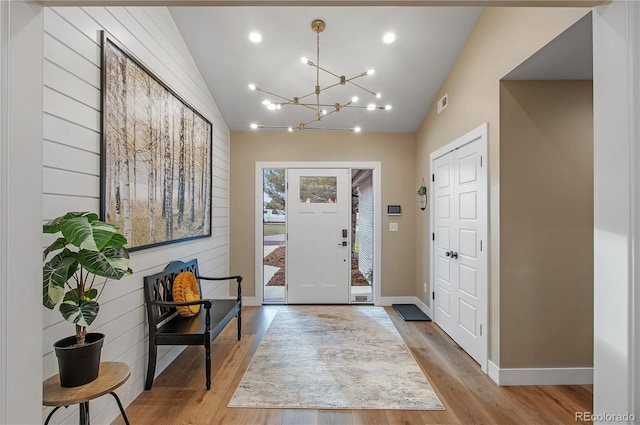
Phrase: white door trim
pixel 375 166
pixel 479 134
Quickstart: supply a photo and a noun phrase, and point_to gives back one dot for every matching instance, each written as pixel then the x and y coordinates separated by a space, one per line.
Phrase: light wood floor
pixel 470 397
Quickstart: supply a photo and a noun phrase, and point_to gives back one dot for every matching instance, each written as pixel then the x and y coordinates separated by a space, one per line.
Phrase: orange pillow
pixel 185 289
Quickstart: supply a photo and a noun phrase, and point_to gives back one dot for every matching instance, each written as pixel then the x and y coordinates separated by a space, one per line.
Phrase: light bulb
pixel 357 129
pixel 266 102
pixel 252 86
pixel 255 37
pixel 254 126
pixel 378 95
pixel 279 106
pixel 371 71
pixel 354 99
pixel 271 107
pixel 387 107
pixel 371 107
pixel 324 112
pixel 304 60
pixel 389 37
pixel 290 129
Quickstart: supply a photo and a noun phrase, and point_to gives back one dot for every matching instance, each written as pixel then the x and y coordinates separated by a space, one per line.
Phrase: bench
pixel 167 327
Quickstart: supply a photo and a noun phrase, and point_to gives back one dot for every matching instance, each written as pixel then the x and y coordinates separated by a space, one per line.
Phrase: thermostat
pixel 393 210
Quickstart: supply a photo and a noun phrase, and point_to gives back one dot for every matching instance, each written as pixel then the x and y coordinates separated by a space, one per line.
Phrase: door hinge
pixel 480 329
pixel 481 245
pixel 433 295
pixel 481 160
pixel 433 177
pixel 433 236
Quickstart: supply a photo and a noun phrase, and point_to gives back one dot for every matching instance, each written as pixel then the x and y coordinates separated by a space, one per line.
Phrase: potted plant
pixel 422 194
pixel 85 249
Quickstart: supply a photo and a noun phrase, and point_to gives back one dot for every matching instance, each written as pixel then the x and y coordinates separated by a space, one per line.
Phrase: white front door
pixel 318 236
pixel 460 260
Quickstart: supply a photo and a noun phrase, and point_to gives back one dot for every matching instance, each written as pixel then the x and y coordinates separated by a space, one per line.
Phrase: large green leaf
pixel 86 234
pixel 55 274
pixel 72 295
pixel 53 226
pixel 116 240
pixel 57 244
pixel 82 313
pixel 112 263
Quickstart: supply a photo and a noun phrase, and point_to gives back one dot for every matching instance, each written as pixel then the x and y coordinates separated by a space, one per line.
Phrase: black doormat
pixel 410 312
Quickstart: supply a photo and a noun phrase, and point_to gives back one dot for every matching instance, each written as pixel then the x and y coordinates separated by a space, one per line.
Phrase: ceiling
pixel 408 72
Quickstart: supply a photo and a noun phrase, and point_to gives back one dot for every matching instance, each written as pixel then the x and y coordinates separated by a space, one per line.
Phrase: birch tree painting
pixel 156 156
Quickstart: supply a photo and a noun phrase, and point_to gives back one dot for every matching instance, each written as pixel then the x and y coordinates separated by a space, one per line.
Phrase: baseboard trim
pixel 251 301
pixel 541 376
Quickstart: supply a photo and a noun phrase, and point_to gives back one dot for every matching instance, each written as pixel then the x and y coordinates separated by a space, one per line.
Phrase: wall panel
pixel 71 150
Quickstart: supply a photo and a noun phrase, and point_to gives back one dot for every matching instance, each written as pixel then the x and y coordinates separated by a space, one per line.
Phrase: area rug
pixel 334 357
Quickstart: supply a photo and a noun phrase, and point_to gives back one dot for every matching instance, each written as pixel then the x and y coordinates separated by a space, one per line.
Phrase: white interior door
pixel 318 236
pixel 446 286
pixel 460 260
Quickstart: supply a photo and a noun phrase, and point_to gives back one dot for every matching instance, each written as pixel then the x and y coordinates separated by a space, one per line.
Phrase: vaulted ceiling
pixel 408 72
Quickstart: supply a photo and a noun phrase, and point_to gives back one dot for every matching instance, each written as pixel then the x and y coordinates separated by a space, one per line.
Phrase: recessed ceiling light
pixel 255 37
pixel 389 38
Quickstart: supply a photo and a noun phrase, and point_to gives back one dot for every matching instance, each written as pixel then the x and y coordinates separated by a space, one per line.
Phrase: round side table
pixel 112 375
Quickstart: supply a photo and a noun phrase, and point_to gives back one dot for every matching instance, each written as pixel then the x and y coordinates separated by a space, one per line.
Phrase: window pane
pixel 318 190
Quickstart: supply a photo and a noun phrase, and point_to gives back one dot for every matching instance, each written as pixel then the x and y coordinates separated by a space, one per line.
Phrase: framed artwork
pixel 156 155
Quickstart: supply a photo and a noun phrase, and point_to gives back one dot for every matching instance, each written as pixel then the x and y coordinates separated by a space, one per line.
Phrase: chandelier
pixel 320 109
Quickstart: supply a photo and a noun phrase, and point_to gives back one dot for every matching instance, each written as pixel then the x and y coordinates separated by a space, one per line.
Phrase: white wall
pixel 71 172
pixel 20 212
pixel 615 215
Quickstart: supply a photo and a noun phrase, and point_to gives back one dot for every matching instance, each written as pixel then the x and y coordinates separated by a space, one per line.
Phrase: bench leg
pixel 207 355
pixel 239 324
pixel 151 367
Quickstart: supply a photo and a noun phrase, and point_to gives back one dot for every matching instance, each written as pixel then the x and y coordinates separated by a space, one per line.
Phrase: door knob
pixel 343 243
pixel 454 254
pixel 448 253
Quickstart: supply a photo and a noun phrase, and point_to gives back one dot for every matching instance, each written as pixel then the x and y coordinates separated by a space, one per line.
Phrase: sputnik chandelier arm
pixel 318 26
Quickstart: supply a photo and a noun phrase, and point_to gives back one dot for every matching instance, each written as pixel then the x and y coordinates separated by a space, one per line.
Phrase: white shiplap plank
pixel 64 182
pixel 71 134
pixel 72 61
pixel 55 205
pixel 63 157
pixel 56 27
pixel 81 22
pixel 63 106
pixel 63 81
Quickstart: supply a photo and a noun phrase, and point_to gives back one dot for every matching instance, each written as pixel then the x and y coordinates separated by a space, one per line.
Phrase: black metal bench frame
pixel 167 327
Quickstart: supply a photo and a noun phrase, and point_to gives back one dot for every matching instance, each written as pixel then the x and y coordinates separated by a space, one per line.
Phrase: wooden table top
pixel 111 376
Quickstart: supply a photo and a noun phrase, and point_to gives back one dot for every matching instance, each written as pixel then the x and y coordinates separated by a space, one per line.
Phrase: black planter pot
pixel 79 365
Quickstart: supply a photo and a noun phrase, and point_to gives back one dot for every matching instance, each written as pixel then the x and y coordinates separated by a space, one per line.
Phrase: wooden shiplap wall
pixel 71 174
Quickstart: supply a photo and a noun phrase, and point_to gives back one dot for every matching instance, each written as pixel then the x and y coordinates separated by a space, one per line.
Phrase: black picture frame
pixel 156 155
